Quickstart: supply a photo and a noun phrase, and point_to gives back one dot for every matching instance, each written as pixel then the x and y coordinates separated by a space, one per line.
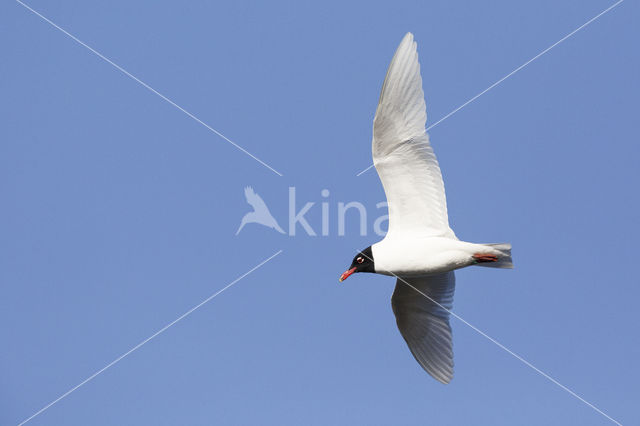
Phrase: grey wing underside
pixel 424 325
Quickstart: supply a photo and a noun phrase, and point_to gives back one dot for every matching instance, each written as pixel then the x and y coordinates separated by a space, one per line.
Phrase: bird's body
pixel 420 248
pixel 419 256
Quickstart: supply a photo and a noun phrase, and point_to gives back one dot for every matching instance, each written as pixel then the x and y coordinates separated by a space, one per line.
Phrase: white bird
pixel 420 249
pixel 260 213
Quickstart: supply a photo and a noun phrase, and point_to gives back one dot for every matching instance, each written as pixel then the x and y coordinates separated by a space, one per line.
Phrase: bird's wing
pixel 425 324
pixel 402 154
pixel 255 200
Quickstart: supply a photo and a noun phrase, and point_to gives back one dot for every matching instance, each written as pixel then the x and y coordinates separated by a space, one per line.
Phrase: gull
pixel 260 213
pixel 420 248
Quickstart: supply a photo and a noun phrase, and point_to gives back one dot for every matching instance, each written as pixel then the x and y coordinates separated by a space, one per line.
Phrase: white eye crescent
pixel 359 259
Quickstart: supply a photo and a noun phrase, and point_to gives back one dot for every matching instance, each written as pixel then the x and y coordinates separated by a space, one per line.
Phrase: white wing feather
pixel 402 155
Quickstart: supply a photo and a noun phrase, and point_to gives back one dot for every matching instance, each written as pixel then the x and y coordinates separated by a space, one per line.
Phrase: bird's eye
pixel 359 259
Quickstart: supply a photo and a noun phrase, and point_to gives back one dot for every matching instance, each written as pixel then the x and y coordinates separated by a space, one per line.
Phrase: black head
pixel 363 262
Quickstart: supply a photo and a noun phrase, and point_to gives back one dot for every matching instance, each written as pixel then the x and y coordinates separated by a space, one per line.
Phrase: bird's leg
pixel 483 258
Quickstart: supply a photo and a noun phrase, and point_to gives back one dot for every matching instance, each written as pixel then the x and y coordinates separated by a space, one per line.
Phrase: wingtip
pixel 445 380
pixel 407 39
pixel 408 44
pixel 443 377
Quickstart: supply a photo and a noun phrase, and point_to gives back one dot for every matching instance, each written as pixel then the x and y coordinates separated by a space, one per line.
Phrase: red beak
pixel 346 274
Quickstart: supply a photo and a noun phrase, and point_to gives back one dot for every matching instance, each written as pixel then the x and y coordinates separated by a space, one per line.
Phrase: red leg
pixel 481 258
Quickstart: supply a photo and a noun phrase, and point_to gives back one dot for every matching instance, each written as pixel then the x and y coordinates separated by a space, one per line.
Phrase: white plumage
pixel 402 154
pixel 420 248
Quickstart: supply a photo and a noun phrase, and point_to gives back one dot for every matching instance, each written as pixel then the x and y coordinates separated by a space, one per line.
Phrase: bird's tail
pixel 502 259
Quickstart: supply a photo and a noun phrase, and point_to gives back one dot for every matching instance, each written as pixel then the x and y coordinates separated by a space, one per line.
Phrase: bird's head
pixel 363 262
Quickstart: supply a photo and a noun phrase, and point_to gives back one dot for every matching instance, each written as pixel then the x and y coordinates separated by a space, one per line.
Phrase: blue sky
pixel 119 212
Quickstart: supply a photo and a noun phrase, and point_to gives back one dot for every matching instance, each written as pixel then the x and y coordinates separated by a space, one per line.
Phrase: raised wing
pixel 403 157
pixel 425 324
pixel 255 200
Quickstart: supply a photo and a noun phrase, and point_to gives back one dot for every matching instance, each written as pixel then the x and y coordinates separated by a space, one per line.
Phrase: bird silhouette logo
pixel 260 213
